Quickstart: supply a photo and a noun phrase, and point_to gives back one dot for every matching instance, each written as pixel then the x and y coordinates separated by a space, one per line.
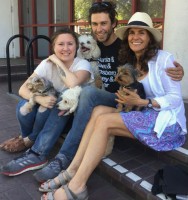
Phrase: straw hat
pixel 140 20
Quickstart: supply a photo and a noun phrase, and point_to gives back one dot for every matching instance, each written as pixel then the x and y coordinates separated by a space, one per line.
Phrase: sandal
pixel 15 144
pixel 70 195
pixel 50 195
pixel 50 185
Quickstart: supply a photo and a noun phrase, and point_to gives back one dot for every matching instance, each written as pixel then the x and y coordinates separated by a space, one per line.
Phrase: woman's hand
pixel 46 101
pixel 53 58
pixel 176 73
pixel 128 97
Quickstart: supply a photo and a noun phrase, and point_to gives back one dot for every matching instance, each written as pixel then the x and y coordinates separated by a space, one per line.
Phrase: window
pixel 45 16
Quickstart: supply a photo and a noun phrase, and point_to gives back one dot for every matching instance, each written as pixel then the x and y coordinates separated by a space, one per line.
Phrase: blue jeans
pixel 90 98
pixel 42 128
pixel 32 123
pixel 54 125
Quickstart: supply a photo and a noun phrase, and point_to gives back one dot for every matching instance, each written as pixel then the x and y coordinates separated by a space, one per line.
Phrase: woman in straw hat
pixel 161 125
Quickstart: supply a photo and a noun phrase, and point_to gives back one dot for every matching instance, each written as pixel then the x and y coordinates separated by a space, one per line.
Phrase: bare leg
pixel 85 140
pixel 105 125
pixel 99 110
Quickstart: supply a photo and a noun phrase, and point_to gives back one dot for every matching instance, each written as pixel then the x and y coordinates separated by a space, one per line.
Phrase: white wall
pixel 9 27
pixel 176 35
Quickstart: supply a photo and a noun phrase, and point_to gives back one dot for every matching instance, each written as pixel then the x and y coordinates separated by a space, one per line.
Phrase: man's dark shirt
pixel 108 63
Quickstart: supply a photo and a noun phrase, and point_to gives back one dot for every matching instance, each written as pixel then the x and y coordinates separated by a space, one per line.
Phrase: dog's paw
pixel 25 109
pixel 42 109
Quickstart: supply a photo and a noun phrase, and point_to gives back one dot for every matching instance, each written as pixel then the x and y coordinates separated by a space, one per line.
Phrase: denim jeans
pixel 90 97
pixel 42 128
pixel 32 123
pixel 54 125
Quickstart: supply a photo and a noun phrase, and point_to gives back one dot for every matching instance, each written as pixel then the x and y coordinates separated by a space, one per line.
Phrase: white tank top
pixel 147 88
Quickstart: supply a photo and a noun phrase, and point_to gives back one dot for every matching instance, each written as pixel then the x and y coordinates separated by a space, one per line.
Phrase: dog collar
pixel 91 60
pixel 47 89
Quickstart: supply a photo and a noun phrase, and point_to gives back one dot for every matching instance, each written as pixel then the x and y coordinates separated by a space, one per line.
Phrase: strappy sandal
pixel 50 195
pixel 50 185
pixel 70 195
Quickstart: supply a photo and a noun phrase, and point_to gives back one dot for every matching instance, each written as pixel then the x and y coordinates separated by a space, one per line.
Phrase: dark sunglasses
pixel 101 4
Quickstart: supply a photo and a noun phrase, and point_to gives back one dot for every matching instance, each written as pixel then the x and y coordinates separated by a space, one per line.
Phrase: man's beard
pixel 107 37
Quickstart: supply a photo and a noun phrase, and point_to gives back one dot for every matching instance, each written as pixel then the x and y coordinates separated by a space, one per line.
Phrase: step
pixel 14 69
pixel 132 168
pixel 18 68
pixel 14 77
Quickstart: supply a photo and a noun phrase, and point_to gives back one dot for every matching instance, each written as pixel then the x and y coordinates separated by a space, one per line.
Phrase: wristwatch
pixel 150 104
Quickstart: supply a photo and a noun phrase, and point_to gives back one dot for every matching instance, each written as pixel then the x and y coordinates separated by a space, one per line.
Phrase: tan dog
pixel 38 86
pixel 89 50
pixel 127 78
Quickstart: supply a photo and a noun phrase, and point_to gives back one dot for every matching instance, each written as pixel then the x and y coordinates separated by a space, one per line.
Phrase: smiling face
pixel 65 48
pixel 138 40
pixel 102 28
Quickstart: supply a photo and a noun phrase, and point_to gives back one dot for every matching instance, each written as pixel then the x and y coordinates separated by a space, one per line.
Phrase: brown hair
pixel 64 31
pixel 126 55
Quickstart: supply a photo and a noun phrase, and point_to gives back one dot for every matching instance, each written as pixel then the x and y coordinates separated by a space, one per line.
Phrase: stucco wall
pixel 176 36
pixel 9 27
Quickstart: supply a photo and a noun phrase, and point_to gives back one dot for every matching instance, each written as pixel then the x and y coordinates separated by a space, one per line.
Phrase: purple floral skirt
pixel 141 125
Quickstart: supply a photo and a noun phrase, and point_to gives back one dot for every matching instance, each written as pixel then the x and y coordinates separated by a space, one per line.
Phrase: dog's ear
pixel 29 86
pixel 47 83
pixel 79 54
pixel 96 52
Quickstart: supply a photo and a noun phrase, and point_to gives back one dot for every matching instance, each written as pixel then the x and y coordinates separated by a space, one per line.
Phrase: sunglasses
pixel 101 4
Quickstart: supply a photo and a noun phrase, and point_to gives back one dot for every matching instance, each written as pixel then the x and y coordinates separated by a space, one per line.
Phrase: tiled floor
pixel 24 187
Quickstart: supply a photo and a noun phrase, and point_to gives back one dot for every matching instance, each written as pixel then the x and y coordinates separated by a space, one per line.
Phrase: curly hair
pixel 126 55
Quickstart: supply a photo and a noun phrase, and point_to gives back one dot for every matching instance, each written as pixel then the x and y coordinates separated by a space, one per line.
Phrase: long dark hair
pixel 126 55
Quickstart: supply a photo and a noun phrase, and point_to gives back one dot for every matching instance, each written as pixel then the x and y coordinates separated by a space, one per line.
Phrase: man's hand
pixel 176 73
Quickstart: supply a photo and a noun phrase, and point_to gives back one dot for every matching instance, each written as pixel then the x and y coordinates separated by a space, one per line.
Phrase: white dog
pixel 89 50
pixel 69 102
pixel 68 105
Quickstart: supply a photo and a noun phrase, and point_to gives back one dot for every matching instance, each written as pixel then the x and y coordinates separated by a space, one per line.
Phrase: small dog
pixel 68 105
pixel 69 102
pixel 127 78
pixel 38 86
pixel 89 50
